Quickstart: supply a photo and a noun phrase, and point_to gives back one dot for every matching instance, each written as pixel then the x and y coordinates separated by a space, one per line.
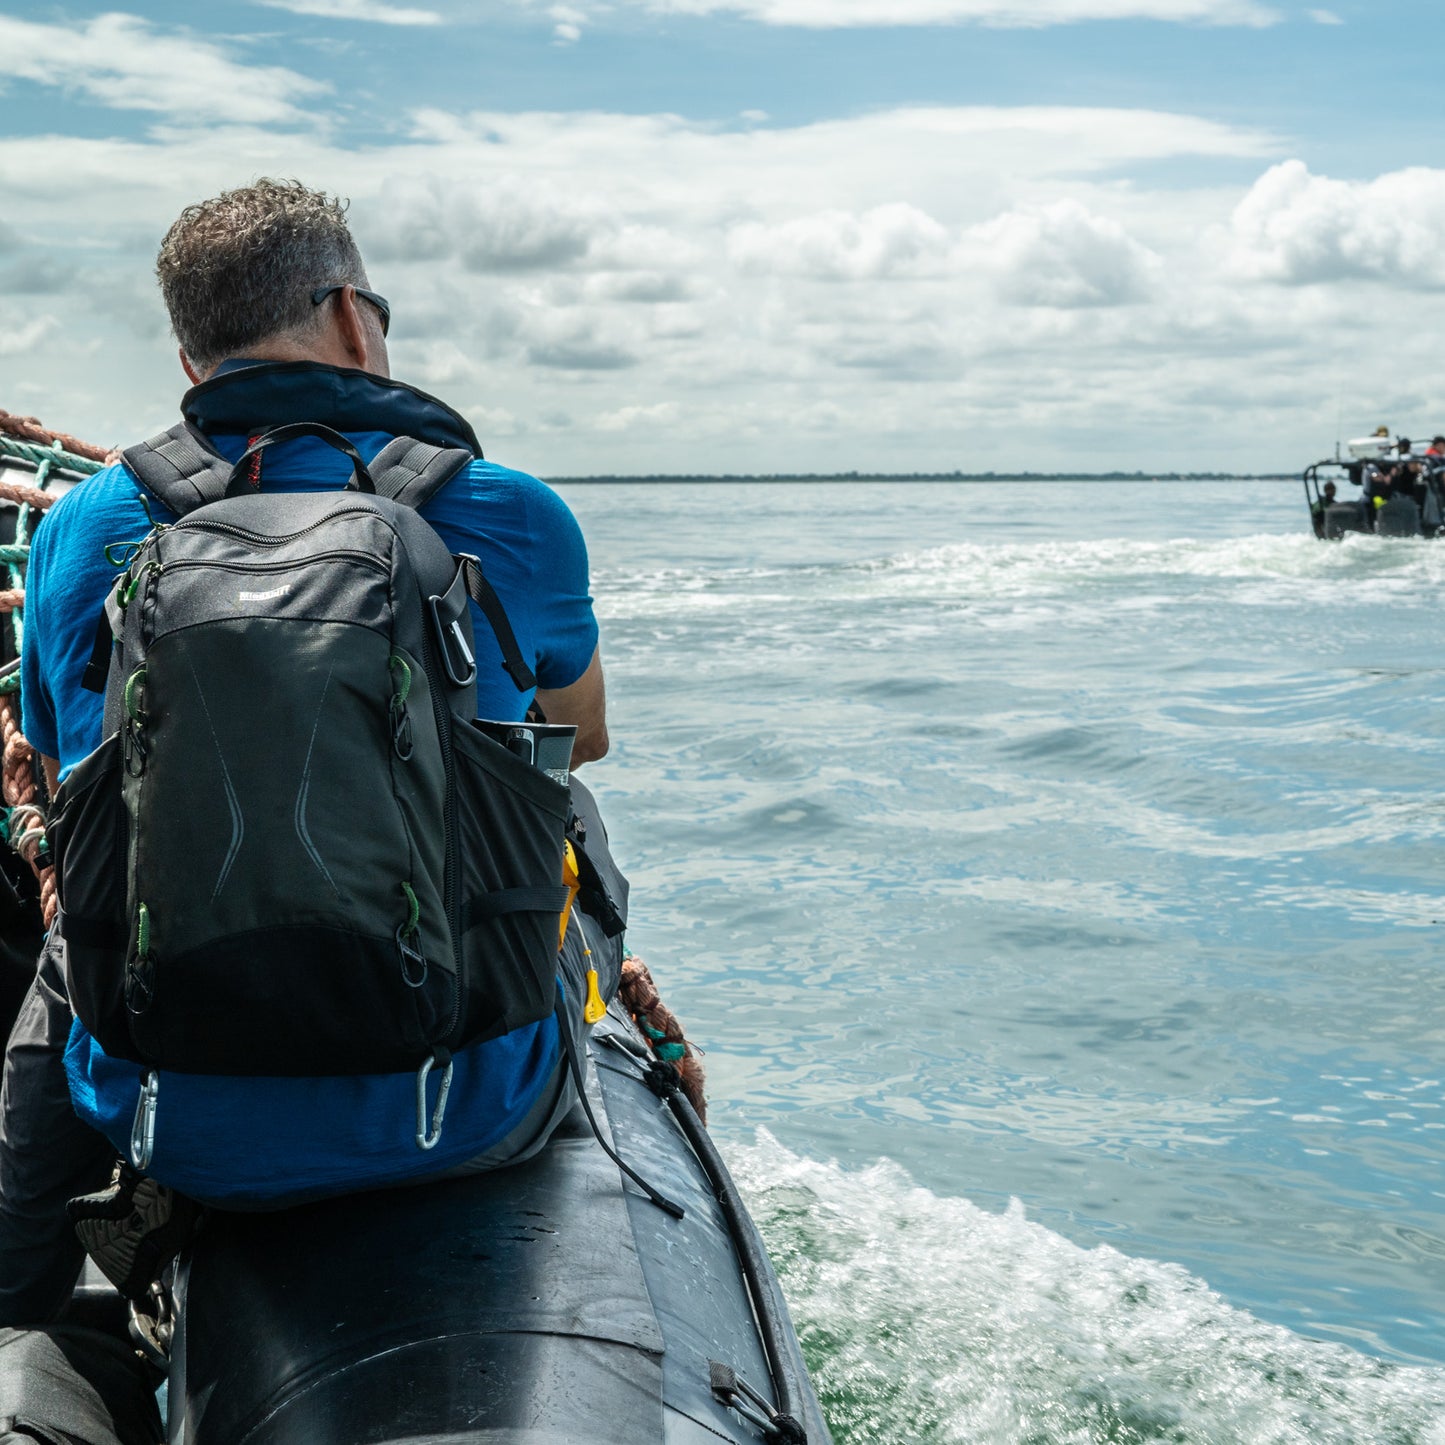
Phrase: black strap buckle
pixel 447 612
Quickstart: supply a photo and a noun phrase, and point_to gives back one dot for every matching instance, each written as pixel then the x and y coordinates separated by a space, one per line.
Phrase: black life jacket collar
pixel 254 396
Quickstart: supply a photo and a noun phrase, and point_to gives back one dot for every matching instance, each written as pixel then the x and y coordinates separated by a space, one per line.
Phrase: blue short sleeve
pixel 68 576
pixel 533 553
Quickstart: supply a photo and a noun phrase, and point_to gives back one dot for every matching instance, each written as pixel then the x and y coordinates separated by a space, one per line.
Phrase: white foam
pixel 929 1319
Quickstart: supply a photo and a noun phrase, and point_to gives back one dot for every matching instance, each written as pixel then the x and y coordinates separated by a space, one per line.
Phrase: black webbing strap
pixel 574 1066
pixel 512 900
pixel 181 468
pixel 97 670
pixel 482 593
pixel 413 472
pixel 93 933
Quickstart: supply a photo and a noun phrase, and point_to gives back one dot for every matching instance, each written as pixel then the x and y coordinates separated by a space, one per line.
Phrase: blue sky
pixel 758 235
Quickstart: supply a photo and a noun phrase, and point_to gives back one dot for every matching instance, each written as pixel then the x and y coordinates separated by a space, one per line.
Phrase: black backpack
pixel 295 853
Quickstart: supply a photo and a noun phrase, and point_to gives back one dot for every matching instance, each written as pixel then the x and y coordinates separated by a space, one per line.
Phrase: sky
pixel 756 236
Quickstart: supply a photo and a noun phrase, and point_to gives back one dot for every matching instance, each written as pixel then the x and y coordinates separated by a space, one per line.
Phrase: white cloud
pixel 1061 255
pixel 891 240
pixel 838 14
pixel 1325 17
pixel 366 10
pixel 626 418
pixel 567 21
pixel 1297 228
pixel 508 227
pixel 124 62
pixel 27 338
pixel 922 302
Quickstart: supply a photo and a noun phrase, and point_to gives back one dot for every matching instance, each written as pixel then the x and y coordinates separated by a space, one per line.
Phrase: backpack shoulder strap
pixel 180 468
pixel 413 472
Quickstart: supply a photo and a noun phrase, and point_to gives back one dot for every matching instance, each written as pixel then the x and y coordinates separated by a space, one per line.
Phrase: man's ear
pixel 186 366
pixel 351 330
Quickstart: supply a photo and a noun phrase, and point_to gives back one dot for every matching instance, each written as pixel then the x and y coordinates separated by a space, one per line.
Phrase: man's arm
pixel 584 702
pixel 52 774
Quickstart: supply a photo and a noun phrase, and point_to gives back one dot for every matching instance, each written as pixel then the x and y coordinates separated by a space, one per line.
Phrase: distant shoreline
pixel 824 477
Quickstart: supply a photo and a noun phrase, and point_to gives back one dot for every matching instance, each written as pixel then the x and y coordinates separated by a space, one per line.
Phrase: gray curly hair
pixel 241 268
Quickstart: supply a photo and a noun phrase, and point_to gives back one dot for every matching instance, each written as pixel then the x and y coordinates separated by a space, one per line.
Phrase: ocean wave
pixel 929 1321
pixel 1144 573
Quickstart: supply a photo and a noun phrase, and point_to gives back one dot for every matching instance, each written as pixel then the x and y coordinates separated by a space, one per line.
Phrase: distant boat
pixel 1401 492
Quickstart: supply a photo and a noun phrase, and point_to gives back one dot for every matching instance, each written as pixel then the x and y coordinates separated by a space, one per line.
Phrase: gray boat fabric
pixel 67 1385
pixel 46 1157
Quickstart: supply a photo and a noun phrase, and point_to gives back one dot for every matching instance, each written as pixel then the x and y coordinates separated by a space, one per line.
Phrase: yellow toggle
pixel 595 1007
pixel 569 878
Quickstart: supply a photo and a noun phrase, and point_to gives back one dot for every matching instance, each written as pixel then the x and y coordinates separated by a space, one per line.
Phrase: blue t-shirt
pixel 530 546
pixel 263 1140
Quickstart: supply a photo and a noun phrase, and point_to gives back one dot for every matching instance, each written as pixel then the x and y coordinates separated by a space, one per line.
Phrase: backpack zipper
pixel 452 902
pixel 340 554
pixel 267 539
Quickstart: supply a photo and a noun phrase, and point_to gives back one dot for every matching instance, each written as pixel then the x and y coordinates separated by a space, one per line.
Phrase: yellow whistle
pixel 594 1008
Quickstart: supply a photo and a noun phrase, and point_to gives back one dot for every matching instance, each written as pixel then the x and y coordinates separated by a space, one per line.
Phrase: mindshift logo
pixel 281 591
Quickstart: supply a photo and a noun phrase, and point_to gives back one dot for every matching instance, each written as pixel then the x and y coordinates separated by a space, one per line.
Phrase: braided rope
pixel 25 822
pixel 662 1030
pixel 27 429
pixel 25 441
pixel 25 496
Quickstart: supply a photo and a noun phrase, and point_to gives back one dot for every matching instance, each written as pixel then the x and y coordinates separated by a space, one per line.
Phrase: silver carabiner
pixel 425 1140
pixel 143 1130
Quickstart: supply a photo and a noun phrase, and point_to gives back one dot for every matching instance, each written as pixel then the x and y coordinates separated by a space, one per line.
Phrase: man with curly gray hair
pixel 277 324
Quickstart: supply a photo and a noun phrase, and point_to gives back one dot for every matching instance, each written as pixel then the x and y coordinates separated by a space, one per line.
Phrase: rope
pixel 25 819
pixel 23 429
pixel 660 1027
pixel 22 495
pixel 25 441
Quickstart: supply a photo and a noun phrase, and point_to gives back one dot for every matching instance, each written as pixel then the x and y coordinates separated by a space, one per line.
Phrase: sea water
pixel 1052 875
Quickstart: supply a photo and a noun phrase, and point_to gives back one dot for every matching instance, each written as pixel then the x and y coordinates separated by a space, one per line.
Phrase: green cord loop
pixel 134 684
pixel 413 910
pixel 396 662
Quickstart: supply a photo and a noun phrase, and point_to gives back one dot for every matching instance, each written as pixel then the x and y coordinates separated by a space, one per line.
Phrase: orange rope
pixel 27 821
pixel 640 998
pixel 18 760
pixel 24 496
pixel 28 429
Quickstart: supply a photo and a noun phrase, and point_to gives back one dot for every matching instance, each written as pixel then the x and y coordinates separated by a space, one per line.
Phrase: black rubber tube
pixel 768 1306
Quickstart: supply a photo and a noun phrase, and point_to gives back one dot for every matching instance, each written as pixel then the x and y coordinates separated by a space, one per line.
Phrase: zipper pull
pixel 143 1130
pixel 408 942
pixel 401 740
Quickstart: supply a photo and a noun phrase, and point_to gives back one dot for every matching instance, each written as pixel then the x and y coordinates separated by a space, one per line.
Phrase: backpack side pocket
pixel 511 820
pixel 89 834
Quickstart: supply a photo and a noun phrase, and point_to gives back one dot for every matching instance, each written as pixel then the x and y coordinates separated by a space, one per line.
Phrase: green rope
pixel 143 931
pixel 47 457
pixel 13 556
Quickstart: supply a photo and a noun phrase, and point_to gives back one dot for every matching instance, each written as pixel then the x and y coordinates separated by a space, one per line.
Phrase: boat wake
pixel 927 1319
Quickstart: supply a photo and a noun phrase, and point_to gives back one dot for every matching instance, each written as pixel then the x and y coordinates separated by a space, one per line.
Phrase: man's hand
pixel 583 703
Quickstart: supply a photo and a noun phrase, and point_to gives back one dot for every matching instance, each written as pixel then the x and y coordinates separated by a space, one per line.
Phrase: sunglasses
pixel 382 305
